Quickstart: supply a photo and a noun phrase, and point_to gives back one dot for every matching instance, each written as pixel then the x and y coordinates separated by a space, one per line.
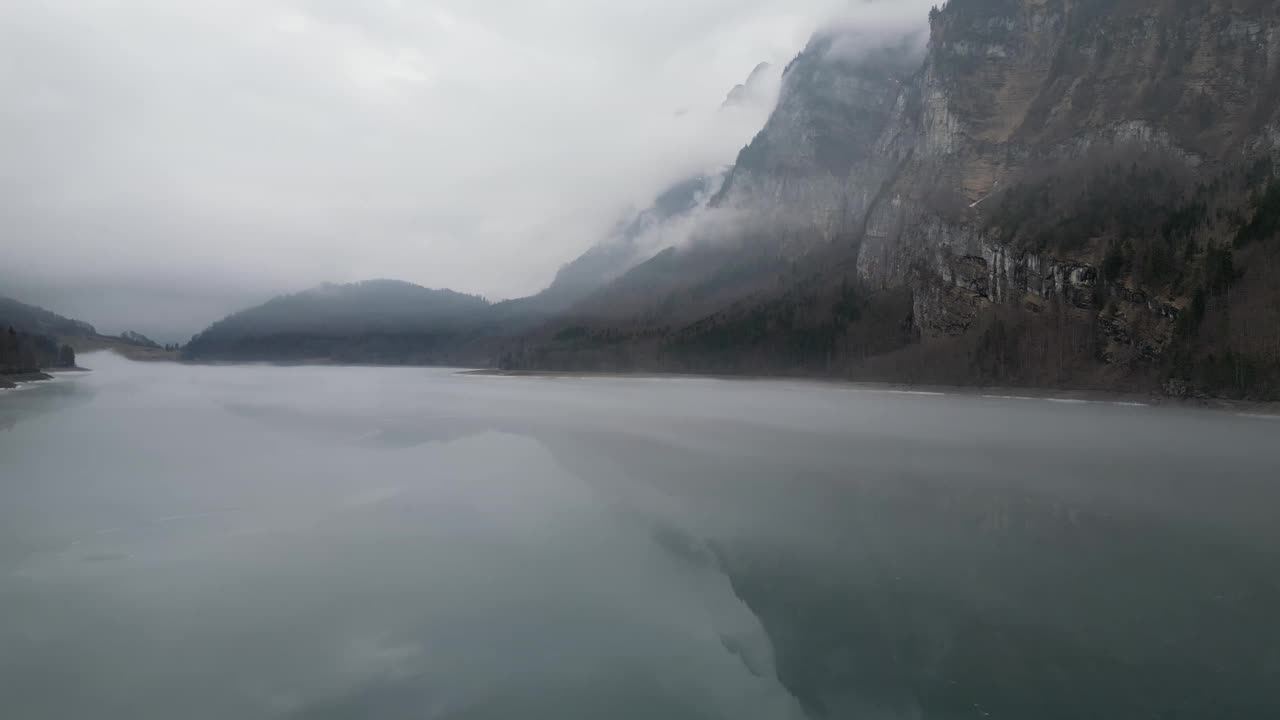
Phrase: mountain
pixel 38 321
pixel 758 88
pixel 29 339
pixel 379 321
pixel 664 223
pixel 1039 192
pixel 1045 193
pixel 42 339
pixel 643 234
pixel 1086 199
pixel 819 159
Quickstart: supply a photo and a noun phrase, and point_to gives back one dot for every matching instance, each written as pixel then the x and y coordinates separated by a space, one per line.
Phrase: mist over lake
pixel 322 542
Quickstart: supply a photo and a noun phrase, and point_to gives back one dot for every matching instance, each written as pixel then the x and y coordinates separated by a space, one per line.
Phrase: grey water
pixel 318 542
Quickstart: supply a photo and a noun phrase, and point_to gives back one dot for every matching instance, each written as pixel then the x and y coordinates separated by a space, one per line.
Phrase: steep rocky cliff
pixel 671 216
pixel 1094 161
pixel 635 240
pixel 832 142
pixel 1049 192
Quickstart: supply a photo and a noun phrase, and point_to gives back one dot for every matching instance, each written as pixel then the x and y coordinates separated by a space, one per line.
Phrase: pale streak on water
pixel 258 542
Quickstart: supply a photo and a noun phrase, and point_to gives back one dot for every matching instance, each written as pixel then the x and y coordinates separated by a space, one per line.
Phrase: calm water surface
pixel 254 542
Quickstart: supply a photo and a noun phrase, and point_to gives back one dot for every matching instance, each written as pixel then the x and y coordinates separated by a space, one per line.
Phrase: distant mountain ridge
pixel 612 257
pixel 29 340
pixel 38 321
pixel 44 339
pixel 754 90
pixel 663 223
pixel 372 321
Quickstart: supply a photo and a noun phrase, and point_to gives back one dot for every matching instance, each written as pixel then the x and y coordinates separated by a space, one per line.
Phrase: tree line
pixel 26 352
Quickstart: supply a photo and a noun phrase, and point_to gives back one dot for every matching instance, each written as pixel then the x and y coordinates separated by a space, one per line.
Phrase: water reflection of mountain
pixel 901 595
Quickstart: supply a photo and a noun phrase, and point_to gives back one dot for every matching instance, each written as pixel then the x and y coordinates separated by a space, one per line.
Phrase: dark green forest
pixel 26 353
pixel 29 338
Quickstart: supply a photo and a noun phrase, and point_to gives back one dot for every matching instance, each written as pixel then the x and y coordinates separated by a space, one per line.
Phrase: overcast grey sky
pixel 166 161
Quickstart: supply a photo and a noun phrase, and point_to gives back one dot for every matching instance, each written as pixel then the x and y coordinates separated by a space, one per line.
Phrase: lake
pixel 318 542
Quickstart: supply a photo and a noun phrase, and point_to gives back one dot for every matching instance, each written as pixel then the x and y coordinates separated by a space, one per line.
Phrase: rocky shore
pixel 10 380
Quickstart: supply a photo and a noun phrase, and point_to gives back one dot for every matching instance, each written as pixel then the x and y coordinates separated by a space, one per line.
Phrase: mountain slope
pixel 38 321
pixel 1071 193
pixel 29 339
pixel 666 222
pixel 757 89
pixel 1047 192
pixel 1074 201
pixel 375 321
pixel 54 340
pixel 643 234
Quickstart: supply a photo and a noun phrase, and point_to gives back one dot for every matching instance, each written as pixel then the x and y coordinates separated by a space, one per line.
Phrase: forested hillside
pixel 380 321
pixel 28 338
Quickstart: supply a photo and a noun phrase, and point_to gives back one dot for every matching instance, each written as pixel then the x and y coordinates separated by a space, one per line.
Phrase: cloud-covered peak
pixel 760 88
pixel 213 154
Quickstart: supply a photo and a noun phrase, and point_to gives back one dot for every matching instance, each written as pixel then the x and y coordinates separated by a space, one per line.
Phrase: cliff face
pixel 1064 192
pixel 1092 162
pixel 1095 158
pixel 838 134
pixel 1014 87
pixel 1068 191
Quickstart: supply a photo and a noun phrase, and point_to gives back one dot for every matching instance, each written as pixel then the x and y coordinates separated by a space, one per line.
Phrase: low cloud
pixel 226 151
pixel 859 31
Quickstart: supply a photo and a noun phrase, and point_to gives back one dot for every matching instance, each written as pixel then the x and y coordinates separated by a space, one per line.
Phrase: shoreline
pixel 14 381
pixel 1257 408
pixel 11 381
pixel 1254 408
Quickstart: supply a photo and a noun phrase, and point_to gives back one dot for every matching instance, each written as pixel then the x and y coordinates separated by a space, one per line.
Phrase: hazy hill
pixel 43 339
pixel 663 223
pixel 29 339
pixel 382 321
pixel 634 243
pixel 38 321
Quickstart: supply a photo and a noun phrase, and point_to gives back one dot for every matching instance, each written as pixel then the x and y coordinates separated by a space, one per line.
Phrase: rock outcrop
pixel 1012 86
pixel 1094 158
